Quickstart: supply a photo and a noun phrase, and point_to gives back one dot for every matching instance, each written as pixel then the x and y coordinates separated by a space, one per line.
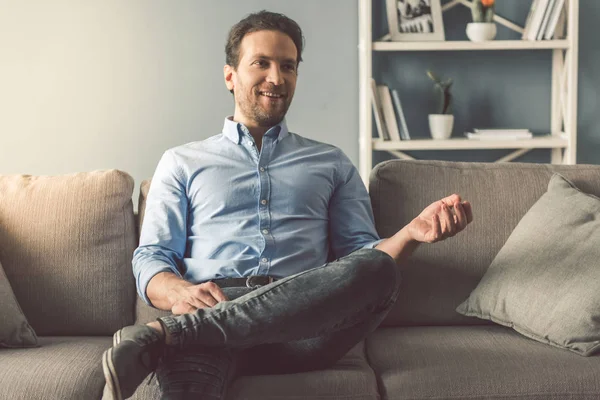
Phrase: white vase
pixel 481 31
pixel 440 125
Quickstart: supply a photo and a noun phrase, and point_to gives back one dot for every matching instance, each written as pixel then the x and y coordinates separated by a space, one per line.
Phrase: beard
pixel 252 105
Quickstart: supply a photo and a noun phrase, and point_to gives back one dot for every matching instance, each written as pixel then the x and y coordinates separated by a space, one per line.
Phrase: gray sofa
pixel 66 245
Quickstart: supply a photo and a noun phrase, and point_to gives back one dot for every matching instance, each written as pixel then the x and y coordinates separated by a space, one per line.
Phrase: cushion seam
pixel 525 332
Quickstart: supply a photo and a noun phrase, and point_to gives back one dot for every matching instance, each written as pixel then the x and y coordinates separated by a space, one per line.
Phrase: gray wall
pixel 92 84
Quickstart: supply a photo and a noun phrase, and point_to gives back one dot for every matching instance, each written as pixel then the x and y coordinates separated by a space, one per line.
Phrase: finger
pixel 198 302
pixel 437 228
pixel 207 298
pixel 461 218
pixel 203 292
pixel 451 200
pixel 468 211
pixel 217 293
pixel 448 228
pixel 214 291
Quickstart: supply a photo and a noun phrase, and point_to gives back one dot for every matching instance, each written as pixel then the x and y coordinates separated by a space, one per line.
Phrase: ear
pixel 228 72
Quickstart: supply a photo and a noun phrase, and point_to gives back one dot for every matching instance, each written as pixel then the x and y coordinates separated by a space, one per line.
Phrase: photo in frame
pixel 415 20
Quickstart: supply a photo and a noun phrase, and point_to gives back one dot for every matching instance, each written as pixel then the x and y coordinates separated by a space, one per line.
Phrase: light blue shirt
pixel 220 208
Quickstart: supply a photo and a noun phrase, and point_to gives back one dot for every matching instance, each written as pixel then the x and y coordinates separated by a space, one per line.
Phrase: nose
pixel 275 76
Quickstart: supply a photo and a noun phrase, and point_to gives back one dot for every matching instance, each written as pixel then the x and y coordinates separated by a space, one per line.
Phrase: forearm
pixel 160 286
pixel 400 246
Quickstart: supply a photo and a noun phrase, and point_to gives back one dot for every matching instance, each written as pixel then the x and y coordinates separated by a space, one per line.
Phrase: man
pixel 237 234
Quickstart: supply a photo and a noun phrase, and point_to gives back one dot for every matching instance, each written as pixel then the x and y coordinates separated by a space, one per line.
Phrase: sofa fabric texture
pixel 66 245
pixel 15 331
pixel 476 363
pixel 63 367
pixel 439 277
pixel 545 281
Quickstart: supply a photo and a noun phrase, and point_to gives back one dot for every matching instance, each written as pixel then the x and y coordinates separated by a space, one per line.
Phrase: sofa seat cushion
pixel 350 379
pixel 477 362
pixel 63 368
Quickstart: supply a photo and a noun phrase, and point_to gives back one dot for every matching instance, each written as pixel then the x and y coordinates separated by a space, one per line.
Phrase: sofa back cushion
pixel 440 276
pixel 66 244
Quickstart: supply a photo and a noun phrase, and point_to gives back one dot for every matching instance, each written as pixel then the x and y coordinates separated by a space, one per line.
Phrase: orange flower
pixel 487 3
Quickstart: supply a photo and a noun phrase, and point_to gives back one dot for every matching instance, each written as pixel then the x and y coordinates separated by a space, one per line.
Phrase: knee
pixel 378 267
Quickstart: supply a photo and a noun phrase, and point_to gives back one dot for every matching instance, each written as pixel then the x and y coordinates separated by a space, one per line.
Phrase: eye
pixel 289 67
pixel 261 63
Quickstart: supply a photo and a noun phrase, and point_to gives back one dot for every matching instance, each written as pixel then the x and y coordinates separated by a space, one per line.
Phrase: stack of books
pixel 387 114
pixel 546 20
pixel 499 134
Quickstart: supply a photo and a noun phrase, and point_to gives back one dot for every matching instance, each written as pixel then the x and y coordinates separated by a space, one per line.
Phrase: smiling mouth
pixel 272 95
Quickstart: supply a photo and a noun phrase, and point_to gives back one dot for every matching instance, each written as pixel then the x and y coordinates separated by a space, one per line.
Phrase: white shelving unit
pixel 562 139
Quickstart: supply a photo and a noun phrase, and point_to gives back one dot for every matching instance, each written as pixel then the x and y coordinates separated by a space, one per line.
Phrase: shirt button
pixel 265 231
pixel 262 169
pixel 264 259
pixel 263 202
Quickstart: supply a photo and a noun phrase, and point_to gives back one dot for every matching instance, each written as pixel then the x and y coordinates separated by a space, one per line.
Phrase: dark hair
pixel 261 21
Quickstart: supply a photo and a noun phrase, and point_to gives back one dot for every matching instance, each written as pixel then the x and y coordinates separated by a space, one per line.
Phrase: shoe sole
pixel 112 381
pixel 117 338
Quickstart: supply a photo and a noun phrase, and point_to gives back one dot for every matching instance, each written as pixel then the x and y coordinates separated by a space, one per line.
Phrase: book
pixel 537 19
pixel 479 136
pixel 502 131
pixel 378 113
pixel 553 22
pixel 389 116
pixel 561 25
pixel 527 26
pixel 544 25
pixel 404 134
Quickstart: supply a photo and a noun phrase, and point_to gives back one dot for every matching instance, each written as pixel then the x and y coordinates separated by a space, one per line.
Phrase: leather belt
pixel 251 281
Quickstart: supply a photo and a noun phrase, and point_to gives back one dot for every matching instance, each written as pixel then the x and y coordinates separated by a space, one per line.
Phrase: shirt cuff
pixel 372 245
pixel 149 271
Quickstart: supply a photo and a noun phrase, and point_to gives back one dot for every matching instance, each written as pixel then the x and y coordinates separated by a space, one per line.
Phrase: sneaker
pixel 135 354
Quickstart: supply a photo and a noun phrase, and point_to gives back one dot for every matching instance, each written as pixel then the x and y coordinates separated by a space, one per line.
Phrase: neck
pixel 256 131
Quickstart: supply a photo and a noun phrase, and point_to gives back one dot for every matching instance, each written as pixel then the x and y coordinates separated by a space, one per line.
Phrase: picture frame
pixel 415 20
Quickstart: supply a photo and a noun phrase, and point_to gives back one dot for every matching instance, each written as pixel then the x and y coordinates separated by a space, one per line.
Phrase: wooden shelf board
pixel 547 142
pixel 468 45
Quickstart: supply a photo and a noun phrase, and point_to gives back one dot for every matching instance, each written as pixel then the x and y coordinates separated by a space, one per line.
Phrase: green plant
pixel 482 10
pixel 442 89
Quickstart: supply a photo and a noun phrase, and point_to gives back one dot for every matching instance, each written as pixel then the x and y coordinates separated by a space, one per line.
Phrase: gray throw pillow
pixel 545 281
pixel 14 329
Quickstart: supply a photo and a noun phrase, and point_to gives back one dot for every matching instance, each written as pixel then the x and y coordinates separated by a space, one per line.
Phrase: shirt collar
pixel 234 131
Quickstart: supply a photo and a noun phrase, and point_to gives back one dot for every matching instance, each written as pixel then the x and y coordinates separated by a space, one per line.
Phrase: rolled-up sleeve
pixel 163 235
pixel 351 221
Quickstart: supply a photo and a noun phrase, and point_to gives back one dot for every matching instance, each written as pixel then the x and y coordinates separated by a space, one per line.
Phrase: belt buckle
pixel 249 281
pixel 255 278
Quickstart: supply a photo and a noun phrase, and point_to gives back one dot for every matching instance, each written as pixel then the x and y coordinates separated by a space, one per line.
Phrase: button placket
pixel 263 209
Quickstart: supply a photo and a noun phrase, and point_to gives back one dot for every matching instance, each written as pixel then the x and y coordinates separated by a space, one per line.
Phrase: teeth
pixel 269 94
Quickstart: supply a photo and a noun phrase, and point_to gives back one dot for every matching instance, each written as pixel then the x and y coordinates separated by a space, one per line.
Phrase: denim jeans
pixel 303 322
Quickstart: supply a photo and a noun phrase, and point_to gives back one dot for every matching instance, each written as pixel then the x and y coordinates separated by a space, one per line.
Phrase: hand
pixel 187 299
pixel 441 219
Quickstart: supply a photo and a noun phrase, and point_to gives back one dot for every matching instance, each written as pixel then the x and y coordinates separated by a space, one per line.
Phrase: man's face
pixel 265 79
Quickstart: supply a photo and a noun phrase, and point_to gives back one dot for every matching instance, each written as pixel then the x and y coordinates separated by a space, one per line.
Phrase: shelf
pixel 546 142
pixel 562 145
pixel 467 45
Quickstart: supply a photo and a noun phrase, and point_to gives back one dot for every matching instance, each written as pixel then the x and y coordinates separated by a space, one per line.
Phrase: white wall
pixel 87 84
